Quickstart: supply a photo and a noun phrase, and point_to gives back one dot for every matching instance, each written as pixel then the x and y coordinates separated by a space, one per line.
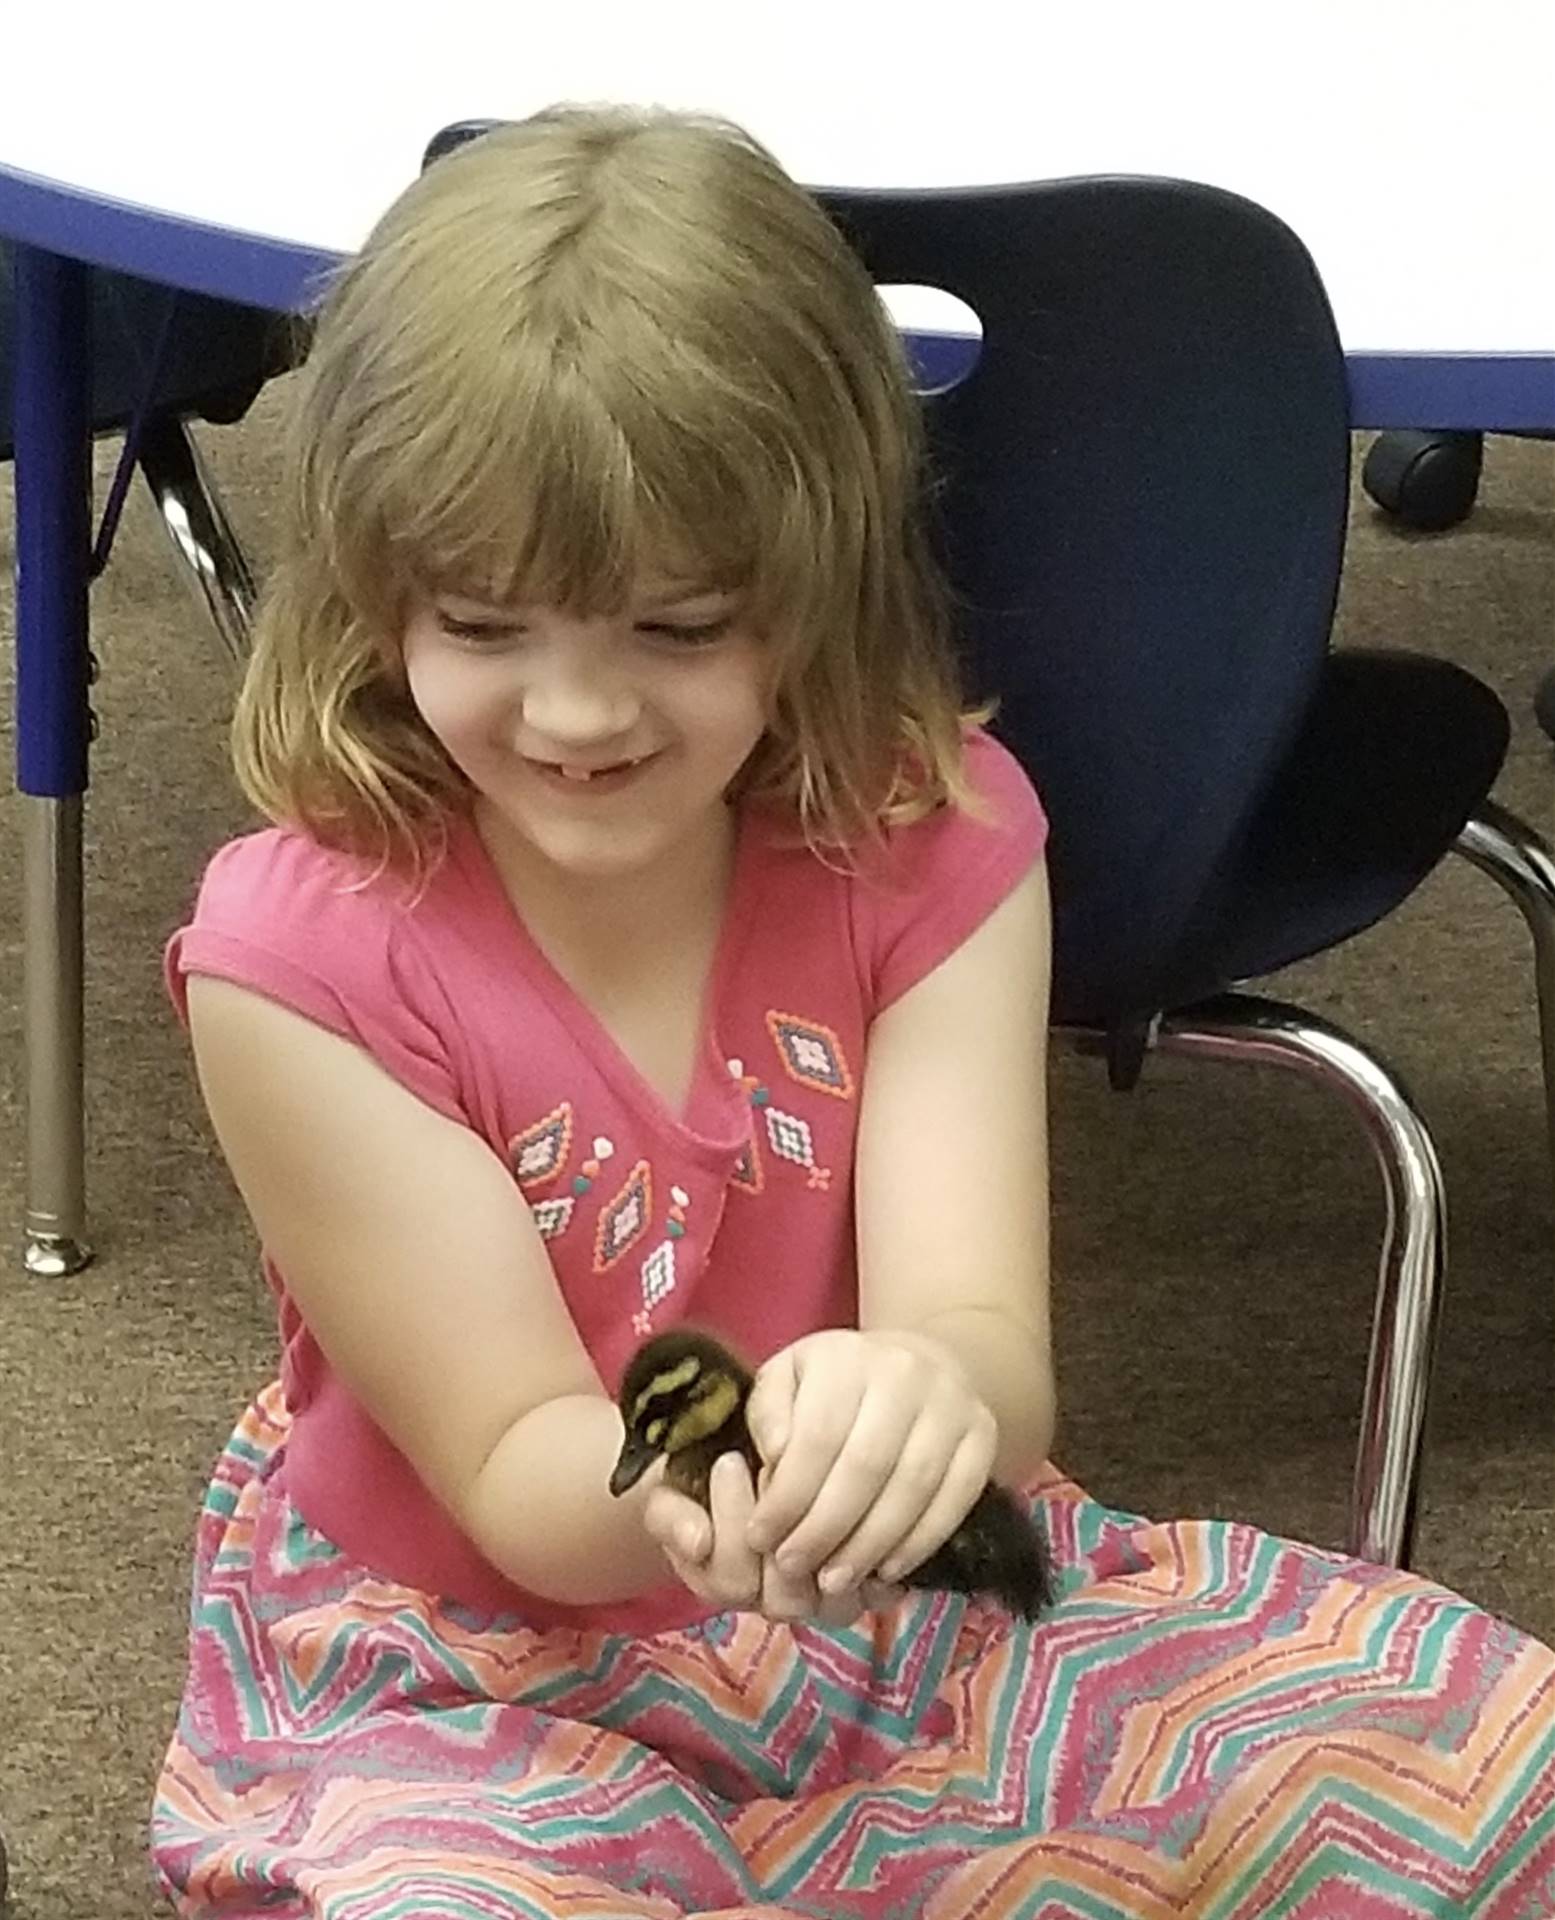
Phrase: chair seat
pixel 1395 754
pixel 216 357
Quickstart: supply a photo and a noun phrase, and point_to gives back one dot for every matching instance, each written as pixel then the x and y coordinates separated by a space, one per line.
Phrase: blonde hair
pixel 594 339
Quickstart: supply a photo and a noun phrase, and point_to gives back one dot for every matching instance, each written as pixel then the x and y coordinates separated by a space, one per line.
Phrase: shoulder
pixel 277 899
pixel 937 879
pixel 328 936
pixel 278 877
pixel 1004 823
pixel 1000 779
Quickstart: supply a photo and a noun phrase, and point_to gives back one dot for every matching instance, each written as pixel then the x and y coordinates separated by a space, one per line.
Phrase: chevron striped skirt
pixel 1211 1723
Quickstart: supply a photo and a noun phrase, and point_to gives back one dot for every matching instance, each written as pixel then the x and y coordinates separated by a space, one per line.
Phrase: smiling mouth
pixel 584 776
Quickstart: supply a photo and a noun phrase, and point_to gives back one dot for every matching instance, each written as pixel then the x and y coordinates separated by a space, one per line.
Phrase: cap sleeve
pixel 288 919
pixel 946 874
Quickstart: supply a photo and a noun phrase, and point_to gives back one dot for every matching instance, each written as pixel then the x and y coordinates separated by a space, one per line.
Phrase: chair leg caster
pixel 1426 480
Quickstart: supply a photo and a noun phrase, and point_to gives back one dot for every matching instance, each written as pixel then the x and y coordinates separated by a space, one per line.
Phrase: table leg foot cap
pixel 51 1256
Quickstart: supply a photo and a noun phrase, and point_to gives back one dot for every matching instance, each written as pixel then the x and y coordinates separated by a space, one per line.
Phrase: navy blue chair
pixel 1141 502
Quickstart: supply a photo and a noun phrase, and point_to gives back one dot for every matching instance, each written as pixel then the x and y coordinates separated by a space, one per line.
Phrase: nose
pixel 577 697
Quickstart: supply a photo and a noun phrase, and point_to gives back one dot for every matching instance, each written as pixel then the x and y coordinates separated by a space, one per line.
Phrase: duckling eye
pixel 655 1430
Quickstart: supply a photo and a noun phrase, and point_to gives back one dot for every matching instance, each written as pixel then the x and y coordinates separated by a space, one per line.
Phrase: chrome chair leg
pixel 198 526
pixel 53 1023
pixel 1251 1029
pixel 1509 850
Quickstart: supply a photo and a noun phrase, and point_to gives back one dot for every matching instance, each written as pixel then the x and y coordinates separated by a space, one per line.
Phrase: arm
pixel 418 1267
pixel 952 1170
pixel 896 1428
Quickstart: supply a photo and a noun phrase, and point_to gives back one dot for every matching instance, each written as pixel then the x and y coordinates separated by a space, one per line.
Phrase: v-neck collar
pixel 715 1122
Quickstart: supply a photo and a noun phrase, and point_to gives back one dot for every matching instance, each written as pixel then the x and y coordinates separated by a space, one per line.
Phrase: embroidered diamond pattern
pixel 552 1216
pixel 658 1274
pixel 791 1137
pixel 812 1054
pixel 540 1152
pixel 624 1220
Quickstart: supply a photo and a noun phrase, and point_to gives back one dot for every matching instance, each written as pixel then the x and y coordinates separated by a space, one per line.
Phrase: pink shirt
pixel 737 1215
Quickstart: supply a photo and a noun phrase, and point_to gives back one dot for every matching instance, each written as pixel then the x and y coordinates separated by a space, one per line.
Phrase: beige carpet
pixel 1216 1232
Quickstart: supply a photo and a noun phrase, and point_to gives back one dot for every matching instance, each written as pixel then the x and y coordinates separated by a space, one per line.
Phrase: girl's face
pixel 603 744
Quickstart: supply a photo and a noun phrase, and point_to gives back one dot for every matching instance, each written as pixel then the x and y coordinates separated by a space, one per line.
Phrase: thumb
pixel 769 1412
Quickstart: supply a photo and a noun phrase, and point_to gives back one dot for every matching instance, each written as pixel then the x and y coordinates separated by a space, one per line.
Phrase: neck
pixel 676 889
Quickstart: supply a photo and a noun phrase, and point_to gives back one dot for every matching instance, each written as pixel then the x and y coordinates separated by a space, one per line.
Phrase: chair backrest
pixel 1142 508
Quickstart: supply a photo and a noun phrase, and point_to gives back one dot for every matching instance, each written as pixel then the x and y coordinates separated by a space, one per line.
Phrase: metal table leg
pixel 53 551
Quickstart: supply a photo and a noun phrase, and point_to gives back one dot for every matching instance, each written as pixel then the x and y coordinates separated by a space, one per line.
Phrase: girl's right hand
pixel 709 1554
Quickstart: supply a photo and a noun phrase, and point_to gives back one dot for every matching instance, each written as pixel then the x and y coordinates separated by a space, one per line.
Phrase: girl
pixel 645 934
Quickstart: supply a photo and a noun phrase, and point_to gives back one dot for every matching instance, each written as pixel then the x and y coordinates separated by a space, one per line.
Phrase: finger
pixel 963 1482
pixel 769 1409
pixel 870 1461
pixel 784 1597
pixel 903 1502
pixel 732 1568
pixel 677 1523
pixel 840 1609
pixel 693 1575
pixel 825 1407
pixel 845 1608
pixel 668 1517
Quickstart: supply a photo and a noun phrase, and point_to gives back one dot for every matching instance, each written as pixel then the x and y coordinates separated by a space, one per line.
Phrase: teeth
pixel 581 774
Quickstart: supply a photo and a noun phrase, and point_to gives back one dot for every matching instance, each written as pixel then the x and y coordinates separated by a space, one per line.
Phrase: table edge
pixel 1512 391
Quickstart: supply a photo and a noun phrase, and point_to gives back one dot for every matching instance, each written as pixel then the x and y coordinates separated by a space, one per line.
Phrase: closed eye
pixel 687 633
pixel 478 632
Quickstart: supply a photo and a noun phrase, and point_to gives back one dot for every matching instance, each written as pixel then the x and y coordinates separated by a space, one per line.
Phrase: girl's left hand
pixel 876 1448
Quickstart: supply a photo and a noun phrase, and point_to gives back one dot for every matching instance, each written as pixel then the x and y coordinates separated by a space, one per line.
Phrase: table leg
pixel 53 551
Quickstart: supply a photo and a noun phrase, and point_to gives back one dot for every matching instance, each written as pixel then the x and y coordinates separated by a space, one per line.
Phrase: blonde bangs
pixel 585 503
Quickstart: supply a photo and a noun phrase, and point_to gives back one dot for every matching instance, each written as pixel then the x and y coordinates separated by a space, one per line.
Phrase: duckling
pixel 683 1395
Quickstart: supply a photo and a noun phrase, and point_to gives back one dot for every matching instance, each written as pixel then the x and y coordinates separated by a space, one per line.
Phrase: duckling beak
pixel 636 1458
